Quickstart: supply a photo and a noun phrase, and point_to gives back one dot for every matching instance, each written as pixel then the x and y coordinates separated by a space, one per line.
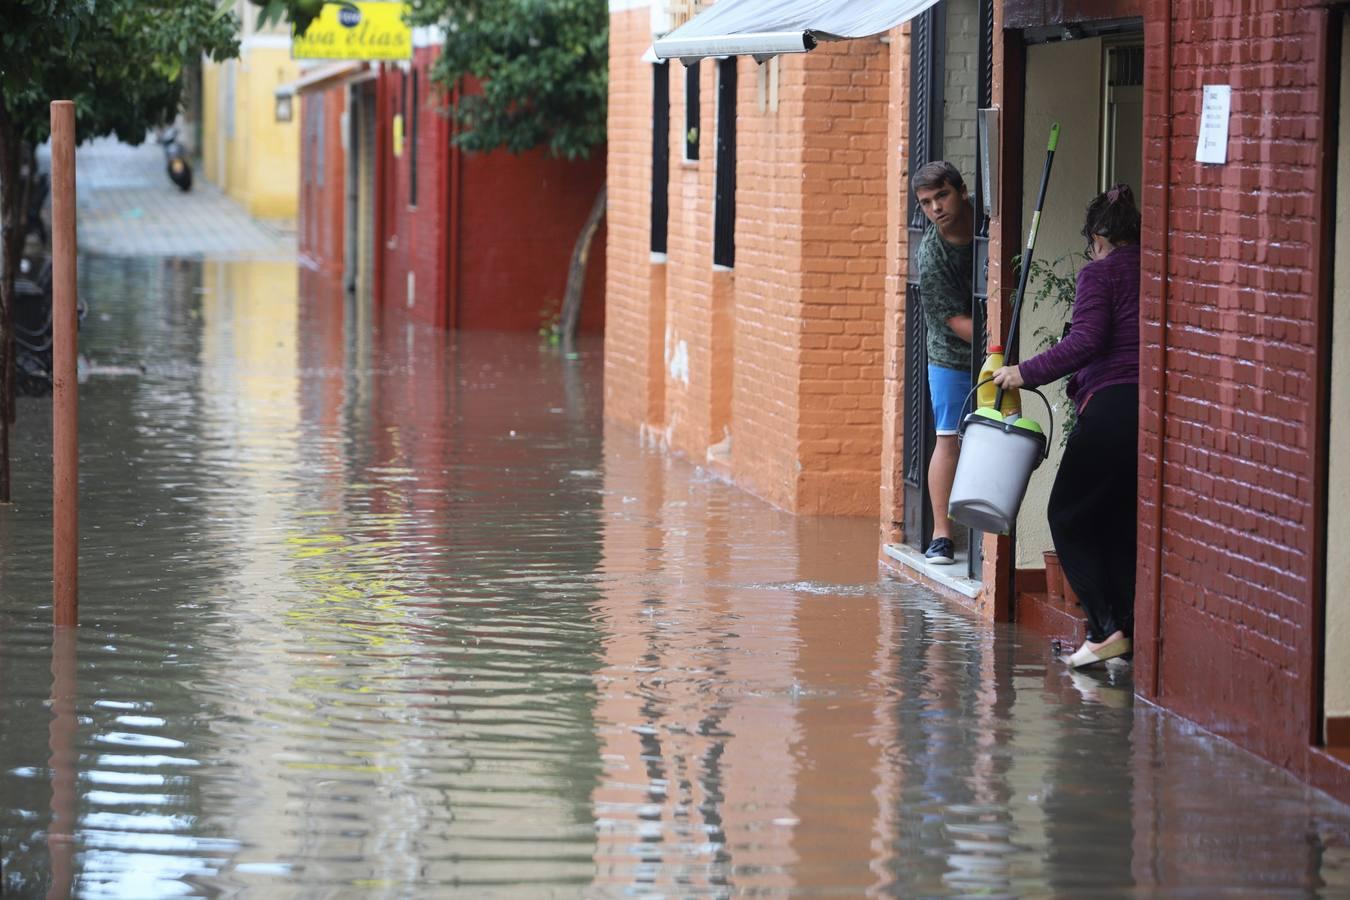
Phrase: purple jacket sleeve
pixel 1087 337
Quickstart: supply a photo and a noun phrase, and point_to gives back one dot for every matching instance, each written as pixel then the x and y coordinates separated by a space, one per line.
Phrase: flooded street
pixel 369 609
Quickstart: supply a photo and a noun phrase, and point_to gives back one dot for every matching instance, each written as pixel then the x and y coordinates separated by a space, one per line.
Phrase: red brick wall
pixel 1231 318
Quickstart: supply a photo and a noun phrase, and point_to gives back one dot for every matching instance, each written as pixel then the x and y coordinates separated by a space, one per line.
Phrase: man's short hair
pixel 936 174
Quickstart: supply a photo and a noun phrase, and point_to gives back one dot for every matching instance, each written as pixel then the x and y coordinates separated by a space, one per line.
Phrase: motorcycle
pixel 176 159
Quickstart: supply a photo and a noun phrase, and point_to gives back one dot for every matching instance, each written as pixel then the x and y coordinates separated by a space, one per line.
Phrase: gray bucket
pixel 995 465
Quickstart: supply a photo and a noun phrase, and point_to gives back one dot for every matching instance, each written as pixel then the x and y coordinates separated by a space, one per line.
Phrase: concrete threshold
pixel 945 576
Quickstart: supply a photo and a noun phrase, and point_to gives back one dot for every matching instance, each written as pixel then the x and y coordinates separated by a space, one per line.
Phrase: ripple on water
pixel 385 610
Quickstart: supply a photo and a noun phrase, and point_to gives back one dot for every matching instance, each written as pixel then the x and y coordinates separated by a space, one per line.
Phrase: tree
pixel 542 67
pixel 543 70
pixel 121 62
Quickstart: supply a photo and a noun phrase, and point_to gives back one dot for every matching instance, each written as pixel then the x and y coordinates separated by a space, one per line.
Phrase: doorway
pixel 1336 659
pixel 951 79
pixel 1101 122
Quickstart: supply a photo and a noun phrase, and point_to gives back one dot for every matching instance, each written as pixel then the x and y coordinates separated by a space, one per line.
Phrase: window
pixel 660 155
pixel 412 141
pixel 724 199
pixel 691 112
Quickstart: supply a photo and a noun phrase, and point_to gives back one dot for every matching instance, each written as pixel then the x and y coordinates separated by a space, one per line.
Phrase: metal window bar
pixel 925 129
pixel 980 278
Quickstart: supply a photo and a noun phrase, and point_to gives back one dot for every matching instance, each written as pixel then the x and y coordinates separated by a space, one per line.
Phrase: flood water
pixel 381 611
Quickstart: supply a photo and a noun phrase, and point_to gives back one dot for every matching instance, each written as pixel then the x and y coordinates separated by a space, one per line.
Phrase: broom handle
pixel 1010 357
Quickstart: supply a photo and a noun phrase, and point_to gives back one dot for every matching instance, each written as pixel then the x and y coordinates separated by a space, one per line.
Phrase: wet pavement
pixel 128 207
pixel 372 610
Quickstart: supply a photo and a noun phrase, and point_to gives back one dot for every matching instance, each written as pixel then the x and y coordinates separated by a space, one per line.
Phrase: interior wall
pixel 1337 696
pixel 1063 84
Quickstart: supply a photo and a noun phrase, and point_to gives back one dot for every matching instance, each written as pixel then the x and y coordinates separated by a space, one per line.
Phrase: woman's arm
pixel 1087 338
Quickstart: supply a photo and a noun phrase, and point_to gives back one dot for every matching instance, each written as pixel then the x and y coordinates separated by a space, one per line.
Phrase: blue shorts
pixel 948 388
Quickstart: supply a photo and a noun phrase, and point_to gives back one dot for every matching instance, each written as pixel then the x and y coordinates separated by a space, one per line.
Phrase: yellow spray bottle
pixel 986 393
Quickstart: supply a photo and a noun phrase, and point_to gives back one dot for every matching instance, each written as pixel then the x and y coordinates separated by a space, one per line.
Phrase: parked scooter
pixel 176 159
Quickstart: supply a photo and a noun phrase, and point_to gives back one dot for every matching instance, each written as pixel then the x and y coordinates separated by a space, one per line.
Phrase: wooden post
pixel 65 400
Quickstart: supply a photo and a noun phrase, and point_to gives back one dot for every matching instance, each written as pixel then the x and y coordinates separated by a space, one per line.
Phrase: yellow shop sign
pixel 359 30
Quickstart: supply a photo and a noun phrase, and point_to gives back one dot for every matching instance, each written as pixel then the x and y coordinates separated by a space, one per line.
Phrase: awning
pixel 322 77
pixel 765 28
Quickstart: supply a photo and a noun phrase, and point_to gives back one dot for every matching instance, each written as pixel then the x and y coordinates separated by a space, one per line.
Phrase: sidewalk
pixel 128 207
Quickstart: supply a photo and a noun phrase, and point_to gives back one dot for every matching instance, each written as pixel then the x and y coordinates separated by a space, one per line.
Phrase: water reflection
pixel 372 609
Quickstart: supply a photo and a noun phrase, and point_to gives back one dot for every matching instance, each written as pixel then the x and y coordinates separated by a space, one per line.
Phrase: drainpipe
pixel 1164 258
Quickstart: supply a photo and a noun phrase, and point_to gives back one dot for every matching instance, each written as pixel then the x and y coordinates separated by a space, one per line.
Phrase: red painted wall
pixel 489 240
pixel 319 225
pixel 520 216
pixel 1234 308
pixel 415 235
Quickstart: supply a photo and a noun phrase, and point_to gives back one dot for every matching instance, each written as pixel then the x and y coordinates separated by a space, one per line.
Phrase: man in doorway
pixel 946 262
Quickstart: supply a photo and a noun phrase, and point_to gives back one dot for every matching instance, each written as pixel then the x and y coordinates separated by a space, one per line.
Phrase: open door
pixel 946 94
pixel 1336 646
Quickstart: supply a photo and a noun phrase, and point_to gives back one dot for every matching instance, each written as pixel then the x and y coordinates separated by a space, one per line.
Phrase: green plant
pixel 550 321
pixel 1053 285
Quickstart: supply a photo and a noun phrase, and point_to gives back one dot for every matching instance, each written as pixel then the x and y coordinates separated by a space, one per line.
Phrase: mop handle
pixel 1010 358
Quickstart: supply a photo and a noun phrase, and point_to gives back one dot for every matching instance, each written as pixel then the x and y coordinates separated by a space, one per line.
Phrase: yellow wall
pixel 259 163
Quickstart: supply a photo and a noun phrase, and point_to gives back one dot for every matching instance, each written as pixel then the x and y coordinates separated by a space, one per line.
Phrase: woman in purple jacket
pixel 1093 504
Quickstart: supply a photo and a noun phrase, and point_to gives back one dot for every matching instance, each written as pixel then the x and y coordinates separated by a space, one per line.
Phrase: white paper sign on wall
pixel 1213 144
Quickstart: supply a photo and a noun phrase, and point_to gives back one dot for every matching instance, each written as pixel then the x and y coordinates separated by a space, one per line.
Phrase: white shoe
pixel 1086 656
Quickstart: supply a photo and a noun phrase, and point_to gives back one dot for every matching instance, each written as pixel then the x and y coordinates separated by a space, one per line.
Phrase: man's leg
pixel 941 472
pixel 948 389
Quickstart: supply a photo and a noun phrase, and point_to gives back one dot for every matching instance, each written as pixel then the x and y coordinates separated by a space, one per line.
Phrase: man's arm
pixel 963 327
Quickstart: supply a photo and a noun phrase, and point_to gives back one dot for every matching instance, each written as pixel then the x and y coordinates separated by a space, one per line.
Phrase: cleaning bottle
pixel 986 393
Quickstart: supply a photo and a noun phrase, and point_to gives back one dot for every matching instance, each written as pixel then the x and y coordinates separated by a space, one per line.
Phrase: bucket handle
pixel 1049 412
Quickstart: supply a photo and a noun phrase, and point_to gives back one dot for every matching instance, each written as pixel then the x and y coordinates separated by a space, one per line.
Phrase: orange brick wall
pixel 843 276
pixel 628 272
pixel 768 283
pixel 689 273
pixel 785 351
pixel 895 245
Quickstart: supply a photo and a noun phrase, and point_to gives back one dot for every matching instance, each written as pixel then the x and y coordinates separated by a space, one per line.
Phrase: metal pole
pixel 65 346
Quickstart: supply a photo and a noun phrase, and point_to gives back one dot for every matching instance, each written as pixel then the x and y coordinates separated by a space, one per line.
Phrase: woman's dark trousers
pixel 1094 509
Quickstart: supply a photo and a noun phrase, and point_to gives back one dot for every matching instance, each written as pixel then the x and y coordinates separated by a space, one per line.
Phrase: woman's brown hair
pixel 1113 215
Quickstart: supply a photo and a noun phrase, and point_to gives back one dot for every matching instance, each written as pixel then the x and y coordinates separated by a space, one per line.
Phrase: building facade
pixel 794 366
pixel 247 150
pixel 402 217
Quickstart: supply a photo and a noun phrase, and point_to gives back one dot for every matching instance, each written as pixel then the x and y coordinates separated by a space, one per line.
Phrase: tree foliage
pixel 121 62
pixel 532 73
pixel 298 12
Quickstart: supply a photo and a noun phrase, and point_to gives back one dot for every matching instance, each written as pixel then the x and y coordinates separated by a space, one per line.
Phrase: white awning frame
pixel 768 28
